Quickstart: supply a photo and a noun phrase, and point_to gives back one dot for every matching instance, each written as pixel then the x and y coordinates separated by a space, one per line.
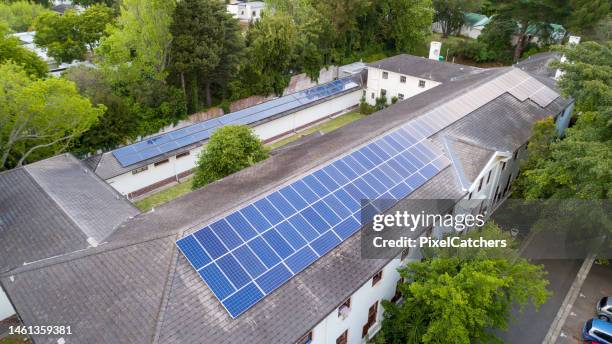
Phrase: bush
pixel 229 150
pixel 364 107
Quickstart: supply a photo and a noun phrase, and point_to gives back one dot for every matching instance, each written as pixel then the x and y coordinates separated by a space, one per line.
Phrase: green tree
pixel 495 42
pixel 118 125
pixel 450 13
pixel 205 48
pixel 529 14
pixel 458 296
pixel 11 49
pixel 579 165
pixel 229 150
pixel 408 23
pixel 586 14
pixel 19 16
pixel 68 37
pixel 39 118
pixel 271 44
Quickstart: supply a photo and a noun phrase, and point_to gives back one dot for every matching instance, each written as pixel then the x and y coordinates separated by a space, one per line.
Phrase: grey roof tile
pixel 424 68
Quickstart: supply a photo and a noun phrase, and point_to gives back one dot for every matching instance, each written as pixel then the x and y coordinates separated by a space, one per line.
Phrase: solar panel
pixel 251 252
pixel 182 137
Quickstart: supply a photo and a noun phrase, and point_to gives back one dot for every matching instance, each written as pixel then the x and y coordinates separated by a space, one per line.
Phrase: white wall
pixel 128 182
pixel 393 85
pixel 6 309
pixel 328 330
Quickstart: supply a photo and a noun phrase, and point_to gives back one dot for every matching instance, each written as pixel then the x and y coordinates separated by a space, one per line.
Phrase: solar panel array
pixel 251 252
pixel 248 254
pixel 175 139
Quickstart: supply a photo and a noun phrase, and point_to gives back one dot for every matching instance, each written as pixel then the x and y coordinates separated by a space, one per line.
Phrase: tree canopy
pixel 11 49
pixel 450 13
pixel 579 165
pixel 229 150
pixel 39 118
pixel 459 296
pixel 19 16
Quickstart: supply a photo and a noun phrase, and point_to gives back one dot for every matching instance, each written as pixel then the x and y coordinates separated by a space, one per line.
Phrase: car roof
pixel 602 325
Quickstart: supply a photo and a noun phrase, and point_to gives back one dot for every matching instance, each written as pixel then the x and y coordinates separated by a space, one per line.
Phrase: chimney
pixel 434 50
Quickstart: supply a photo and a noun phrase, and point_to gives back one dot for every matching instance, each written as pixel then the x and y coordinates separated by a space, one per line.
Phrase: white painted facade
pixel 402 86
pixel 334 325
pixel 130 181
pixel 6 309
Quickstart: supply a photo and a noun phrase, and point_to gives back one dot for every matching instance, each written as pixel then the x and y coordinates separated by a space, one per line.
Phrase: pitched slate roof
pixel 425 68
pixel 53 207
pixel 142 280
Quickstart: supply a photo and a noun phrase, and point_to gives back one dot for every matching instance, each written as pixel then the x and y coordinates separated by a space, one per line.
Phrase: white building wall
pixel 6 309
pixel 393 85
pixel 128 182
pixel 330 328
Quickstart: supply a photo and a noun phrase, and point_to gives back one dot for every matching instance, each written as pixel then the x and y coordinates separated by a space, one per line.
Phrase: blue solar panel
pixel 182 137
pixel 249 253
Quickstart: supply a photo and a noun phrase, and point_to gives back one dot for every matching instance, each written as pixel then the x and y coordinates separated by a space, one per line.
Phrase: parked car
pixel 597 331
pixel 604 308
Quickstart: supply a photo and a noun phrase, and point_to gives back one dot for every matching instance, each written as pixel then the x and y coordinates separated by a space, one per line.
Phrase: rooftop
pixel 425 68
pixel 143 290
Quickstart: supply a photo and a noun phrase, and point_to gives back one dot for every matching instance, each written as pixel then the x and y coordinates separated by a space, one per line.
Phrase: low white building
pixel 404 76
pixel 151 168
pixel 246 10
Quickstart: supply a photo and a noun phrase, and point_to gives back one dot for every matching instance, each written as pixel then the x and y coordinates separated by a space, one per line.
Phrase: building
pixel 247 11
pixel 53 207
pixel 137 286
pixel 404 76
pixel 168 157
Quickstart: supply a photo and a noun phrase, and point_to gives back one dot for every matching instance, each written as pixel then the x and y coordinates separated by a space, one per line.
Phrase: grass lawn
pixel 325 127
pixel 13 340
pixel 164 196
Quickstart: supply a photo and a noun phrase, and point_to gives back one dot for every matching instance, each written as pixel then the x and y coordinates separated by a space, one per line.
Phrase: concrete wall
pixel 128 183
pixel 393 85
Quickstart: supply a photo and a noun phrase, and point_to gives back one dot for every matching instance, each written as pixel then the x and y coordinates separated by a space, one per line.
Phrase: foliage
pixel 408 23
pixel 450 13
pixel 134 60
pixel 458 297
pixel 586 14
pixel 39 118
pixel 365 108
pixel 578 165
pixel 116 126
pixel 11 49
pixel 531 13
pixel 230 149
pixel 68 37
pixel 495 40
pixel 20 15
pixel 205 48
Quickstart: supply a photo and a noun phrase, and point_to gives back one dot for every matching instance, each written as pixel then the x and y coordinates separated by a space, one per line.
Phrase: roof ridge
pixel 163 305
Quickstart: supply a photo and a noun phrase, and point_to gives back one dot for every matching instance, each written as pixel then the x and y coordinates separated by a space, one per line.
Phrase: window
pixel 470 195
pixel 160 162
pixel 242 12
pixel 385 75
pixel 405 253
pixel 503 165
pixel 480 185
pixel 254 14
pixel 398 293
pixel 373 95
pixel 184 154
pixel 402 79
pixel 343 339
pixel 489 176
pixel 372 312
pixel 139 170
pixel 377 278
pixel 602 335
pixel 306 339
pixel 422 83
pixel 400 96
pixel 383 92
pixel 515 155
pixel 344 308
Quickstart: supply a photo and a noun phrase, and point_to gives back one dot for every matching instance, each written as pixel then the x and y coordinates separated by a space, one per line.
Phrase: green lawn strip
pixel 164 196
pixel 12 340
pixel 325 127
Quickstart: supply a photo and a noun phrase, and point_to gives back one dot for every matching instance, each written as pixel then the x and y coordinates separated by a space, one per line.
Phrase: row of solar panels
pixel 170 141
pixel 253 251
